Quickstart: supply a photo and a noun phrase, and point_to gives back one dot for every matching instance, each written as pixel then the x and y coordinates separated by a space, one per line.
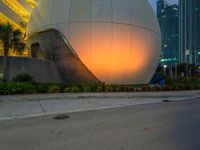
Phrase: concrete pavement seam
pixel 42 108
pixel 90 101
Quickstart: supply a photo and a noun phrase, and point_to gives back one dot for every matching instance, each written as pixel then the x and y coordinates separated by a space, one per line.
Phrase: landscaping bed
pixel 8 88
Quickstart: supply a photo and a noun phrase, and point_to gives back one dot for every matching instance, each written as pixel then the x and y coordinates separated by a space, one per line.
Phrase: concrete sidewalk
pixel 25 106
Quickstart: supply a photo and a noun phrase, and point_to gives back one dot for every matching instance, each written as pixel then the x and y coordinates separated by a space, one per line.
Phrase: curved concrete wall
pixel 70 67
pixel 117 40
pixel 41 71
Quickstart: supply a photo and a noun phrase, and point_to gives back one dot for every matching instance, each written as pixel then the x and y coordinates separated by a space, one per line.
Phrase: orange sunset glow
pixel 113 54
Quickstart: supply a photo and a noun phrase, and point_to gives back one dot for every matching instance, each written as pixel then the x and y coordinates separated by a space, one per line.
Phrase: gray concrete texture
pixel 57 50
pixel 25 106
pixel 162 126
pixel 41 71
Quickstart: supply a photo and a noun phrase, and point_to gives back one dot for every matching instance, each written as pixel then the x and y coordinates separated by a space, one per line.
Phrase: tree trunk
pixel 5 62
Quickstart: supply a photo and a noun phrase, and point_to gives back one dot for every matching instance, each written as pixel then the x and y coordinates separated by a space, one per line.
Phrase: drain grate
pixel 167 101
pixel 61 117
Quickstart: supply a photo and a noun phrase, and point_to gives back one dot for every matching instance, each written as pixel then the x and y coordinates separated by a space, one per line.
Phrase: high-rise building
pixel 189 23
pixel 16 13
pixel 168 19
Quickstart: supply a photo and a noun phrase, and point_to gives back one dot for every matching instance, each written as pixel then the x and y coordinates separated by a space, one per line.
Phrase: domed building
pixel 93 41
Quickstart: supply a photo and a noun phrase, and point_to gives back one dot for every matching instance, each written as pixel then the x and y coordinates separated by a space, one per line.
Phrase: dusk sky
pixel 153 2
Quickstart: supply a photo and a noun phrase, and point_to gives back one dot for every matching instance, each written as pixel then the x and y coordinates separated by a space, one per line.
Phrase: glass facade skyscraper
pixel 168 19
pixel 189 23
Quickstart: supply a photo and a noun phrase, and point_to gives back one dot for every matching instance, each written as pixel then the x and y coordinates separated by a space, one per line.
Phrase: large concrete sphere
pixel 117 40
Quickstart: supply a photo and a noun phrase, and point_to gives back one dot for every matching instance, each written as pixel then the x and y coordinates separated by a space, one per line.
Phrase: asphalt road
pixel 163 126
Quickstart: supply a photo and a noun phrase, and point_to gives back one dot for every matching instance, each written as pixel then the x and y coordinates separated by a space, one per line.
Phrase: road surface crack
pixel 42 108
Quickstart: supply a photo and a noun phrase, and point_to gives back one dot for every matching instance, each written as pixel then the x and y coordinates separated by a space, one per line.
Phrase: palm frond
pixel 11 38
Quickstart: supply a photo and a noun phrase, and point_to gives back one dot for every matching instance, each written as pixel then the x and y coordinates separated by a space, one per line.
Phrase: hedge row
pixel 17 88
pixel 32 88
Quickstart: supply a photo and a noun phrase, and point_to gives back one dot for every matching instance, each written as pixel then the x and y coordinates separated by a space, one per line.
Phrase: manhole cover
pixel 167 101
pixel 61 117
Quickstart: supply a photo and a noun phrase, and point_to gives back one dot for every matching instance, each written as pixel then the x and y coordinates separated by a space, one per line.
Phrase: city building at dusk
pixel 168 18
pixel 16 13
pixel 189 23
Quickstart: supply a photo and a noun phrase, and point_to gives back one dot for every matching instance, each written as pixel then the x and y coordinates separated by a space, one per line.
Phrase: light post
pixel 165 67
pixel 176 70
pixel 171 71
pixel 188 55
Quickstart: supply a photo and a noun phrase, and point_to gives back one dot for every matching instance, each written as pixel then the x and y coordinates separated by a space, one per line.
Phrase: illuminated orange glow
pixel 101 48
pixel 119 53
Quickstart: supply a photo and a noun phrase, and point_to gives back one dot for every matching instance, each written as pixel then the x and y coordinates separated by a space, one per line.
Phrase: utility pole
pixel 176 69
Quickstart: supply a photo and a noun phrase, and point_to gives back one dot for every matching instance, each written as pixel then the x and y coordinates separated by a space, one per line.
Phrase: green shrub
pixel 93 87
pixel 42 87
pixel 75 89
pixel 188 87
pixel 25 85
pixel 196 86
pixel 163 88
pixel 119 88
pixel 108 88
pixel 99 89
pixel 86 88
pixel 17 88
pixel 62 86
pixel 180 87
pixel 23 77
pixel 67 90
pixel 152 88
pixel 54 89
pixel 113 88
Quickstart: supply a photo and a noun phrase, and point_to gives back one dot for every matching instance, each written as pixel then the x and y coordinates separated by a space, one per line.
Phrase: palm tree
pixel 11 39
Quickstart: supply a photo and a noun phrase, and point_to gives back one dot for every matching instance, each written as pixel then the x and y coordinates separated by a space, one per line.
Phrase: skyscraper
pixel 189 23
pixel 16 12
pixel 168 19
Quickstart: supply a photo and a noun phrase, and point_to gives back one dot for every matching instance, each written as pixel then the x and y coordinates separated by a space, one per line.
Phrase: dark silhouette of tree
pixel 11 39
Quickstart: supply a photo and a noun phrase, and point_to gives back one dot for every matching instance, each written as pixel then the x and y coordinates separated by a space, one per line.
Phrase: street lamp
pixel 165 67
pixel 188 59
